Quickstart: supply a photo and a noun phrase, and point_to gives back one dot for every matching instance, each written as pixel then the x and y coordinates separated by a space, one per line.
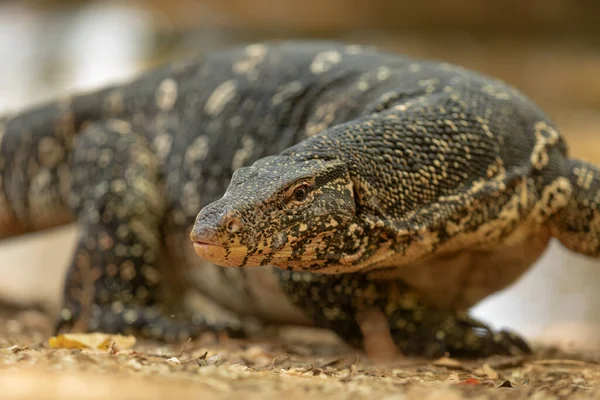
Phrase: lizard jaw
pixel 219 255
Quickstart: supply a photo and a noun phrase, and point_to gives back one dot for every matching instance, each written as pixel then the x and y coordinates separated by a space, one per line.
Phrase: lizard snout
pixel 205 230
pixel 215 237
pixel 202 234
pixel 212 228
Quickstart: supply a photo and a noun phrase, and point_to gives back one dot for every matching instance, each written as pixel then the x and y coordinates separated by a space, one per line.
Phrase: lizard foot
pixel 342 303
pixel 437 334
pixel 146 322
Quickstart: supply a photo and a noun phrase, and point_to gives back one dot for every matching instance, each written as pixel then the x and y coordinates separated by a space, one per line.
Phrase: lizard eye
pixel 299 194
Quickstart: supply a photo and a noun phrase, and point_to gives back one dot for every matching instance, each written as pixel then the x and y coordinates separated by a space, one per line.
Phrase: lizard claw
pixel 510 343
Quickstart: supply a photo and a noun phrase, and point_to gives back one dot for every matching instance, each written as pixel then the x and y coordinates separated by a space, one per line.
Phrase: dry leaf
pixel 453 378
pixel 448 363
pixel 471 381
pixel 506 384
pixel 487 371
pixel 98 341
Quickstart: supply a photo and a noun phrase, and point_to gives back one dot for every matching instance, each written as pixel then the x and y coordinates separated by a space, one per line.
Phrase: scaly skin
pixel 453 165
pixel 133 164
pixel 464 164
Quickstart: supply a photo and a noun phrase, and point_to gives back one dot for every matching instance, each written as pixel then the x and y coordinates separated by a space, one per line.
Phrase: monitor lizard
pixel 133 164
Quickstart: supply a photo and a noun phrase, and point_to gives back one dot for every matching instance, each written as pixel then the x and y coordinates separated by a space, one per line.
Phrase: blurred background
pixel 550 49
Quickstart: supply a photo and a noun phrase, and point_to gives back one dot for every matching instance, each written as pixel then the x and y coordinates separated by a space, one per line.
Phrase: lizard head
pixel 286 211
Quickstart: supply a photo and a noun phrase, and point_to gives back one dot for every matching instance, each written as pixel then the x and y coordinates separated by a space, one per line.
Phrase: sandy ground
pixel 284 363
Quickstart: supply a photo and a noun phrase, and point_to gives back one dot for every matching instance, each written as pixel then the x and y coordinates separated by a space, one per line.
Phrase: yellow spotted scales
pixel 363 180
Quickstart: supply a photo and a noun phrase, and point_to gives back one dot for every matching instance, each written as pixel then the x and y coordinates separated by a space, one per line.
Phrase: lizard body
pixel 133 164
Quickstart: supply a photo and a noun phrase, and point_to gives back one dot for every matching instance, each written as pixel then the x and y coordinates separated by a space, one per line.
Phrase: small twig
pixel 201 358
pixel 111 348
pixel 331 362
pixel 184 346
pixel 562 361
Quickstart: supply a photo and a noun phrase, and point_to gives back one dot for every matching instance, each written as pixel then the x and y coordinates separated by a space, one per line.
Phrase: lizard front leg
pixel 417 328
pixel 113 283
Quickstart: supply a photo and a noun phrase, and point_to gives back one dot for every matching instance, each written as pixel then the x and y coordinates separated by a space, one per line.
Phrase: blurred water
pixel 46 54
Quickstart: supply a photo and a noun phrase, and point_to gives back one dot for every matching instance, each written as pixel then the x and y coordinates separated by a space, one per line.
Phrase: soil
pixel 288 362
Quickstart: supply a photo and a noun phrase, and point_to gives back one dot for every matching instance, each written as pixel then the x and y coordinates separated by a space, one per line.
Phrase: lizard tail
pixel 35 147
pixel 577 225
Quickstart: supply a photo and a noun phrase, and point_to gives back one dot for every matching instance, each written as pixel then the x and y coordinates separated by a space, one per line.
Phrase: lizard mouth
pixel 233 256
pixel 207 245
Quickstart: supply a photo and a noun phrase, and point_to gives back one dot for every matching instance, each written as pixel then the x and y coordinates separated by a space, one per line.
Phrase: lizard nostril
pixel 233 225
